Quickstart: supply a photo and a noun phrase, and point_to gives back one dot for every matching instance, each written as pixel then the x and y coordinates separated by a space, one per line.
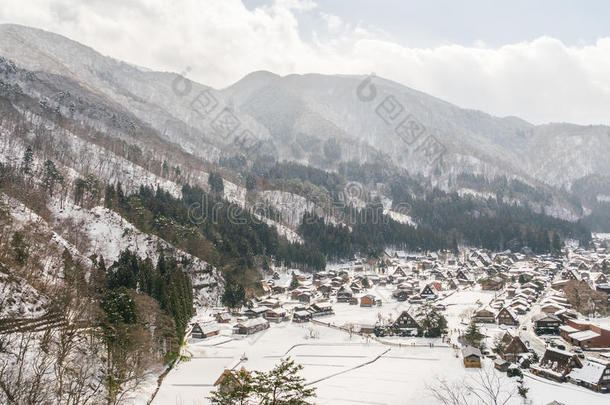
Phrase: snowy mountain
pixel 297 114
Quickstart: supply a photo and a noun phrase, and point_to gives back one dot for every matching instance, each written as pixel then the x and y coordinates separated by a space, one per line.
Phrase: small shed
pixel 472 357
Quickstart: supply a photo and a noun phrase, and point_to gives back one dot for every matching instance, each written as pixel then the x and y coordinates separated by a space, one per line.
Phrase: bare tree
pixel 484 388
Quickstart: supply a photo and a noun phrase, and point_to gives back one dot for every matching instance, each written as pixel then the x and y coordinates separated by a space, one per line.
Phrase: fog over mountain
pixel 287 110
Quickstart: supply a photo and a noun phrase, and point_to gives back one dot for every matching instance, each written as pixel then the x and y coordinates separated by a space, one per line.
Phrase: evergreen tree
pixel 294 283
pixel 234 295
pixel 283 386
pixel 251 182
pixel 556 244
pixel 51 176
pixel 216 183
pixel 431 322
pixel 28 160
pixel 473 336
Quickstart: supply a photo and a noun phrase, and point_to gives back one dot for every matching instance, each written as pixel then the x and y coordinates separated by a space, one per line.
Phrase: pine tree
pixel 216 183
pixel 28 159
pixel 51 176
pixel 234 295
pixel 294 283
pixel 473 336
pixel 283 385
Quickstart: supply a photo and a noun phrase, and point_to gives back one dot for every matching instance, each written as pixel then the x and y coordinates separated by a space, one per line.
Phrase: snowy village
pixel 413 321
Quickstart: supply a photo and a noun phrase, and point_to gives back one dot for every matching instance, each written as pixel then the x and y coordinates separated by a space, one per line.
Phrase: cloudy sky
pixel 546 61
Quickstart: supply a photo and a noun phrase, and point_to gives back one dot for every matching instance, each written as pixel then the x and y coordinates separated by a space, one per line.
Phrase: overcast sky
pixel 543 61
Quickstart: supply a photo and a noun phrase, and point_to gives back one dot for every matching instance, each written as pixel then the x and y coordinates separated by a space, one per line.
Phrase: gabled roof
pixel 543 316
pixel 591 372
pixel 470 350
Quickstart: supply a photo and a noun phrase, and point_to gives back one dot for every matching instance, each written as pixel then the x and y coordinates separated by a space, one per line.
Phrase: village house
pixel 205 331
pixel 255 312
pixel 492 283
pixel 514 348
pixel 472 357
pixel 228 380
pixel 223 317
pixel 275 314
pixel 584 334
pixel 400 295
pixel 594 374
pixel 321 308
pixel 270 303
pixel 556 364
pixel 484 315
pixel 406 324
pixel 551 308
pixel 429 292
pixel 301 316
pixel 507 317
pixel 250 326
pixel 344 294
pixel 546 324
pixel 501 365
pixel 367 300
pixel 304 297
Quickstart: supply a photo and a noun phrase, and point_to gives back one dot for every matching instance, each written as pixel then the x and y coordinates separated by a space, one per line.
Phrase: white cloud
pixel 221 40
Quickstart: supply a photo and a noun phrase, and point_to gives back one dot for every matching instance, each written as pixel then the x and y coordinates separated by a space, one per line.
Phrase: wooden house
pixel 506 317
pixel 321 308
pixel 428 292
pixel 501 364
pixel 546 324
pixel 344 294
pixel 594 374
pixel 250 326
pixel 492 283
pixel 255 312
pixel 275 314
pixel 399 272
pixel 400 295
pixel 556 364
pixel 304 297
pixel 406 324
pixel 301 316
pixel 229 379
pixel 513 349
pixel 484 315
pixel 367 300
pixel 223 317
pixel 204 331
pixel 472 357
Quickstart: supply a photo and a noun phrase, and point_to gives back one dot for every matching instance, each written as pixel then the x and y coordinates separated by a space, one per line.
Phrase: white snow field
pixel 348 370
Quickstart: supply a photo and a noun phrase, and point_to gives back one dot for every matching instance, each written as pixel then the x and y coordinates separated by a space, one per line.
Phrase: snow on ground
pixel 402 218
pixel 110 234
pixel 291 206
pixel 20 299
pixel 348 370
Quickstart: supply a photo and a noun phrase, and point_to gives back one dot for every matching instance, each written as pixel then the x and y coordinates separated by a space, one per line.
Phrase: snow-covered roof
pixel 584 335
pixel 253 322
pixel 470 350
pixel 591 372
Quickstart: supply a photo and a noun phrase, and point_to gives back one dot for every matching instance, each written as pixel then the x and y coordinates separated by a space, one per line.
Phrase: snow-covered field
pixel 348 370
